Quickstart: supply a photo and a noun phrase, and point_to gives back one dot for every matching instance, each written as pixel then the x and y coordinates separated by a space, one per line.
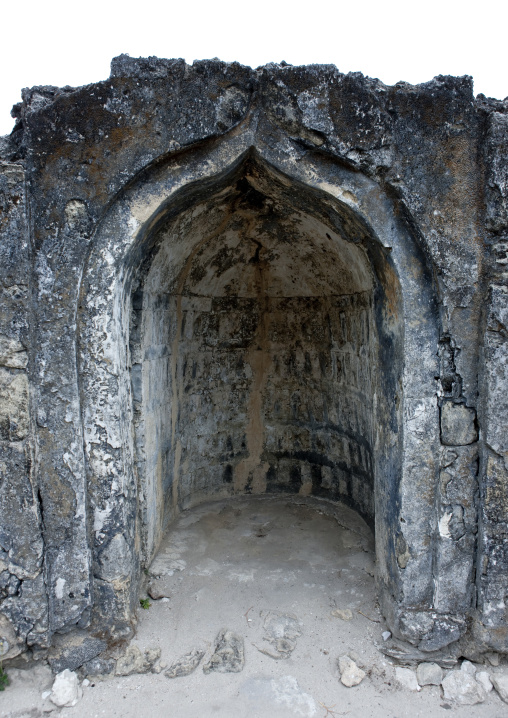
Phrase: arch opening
pixel 265 352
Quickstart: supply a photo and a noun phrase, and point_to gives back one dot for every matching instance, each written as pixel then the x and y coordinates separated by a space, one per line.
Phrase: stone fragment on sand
pixel 462 688
pixel 350 673
pixel 66 690
pixel 500 681
pixel 228 656
pixel 345 614
pixel 429 674
pixel 483 678
pixel 157 590
pixel 386 635
pixel 185 665
pixel 406 678
pixel 134 661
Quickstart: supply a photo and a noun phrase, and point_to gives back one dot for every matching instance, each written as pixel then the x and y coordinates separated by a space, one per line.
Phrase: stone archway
pixel 161 256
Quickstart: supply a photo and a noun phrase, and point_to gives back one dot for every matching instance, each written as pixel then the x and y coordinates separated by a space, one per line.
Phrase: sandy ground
pixel 246 565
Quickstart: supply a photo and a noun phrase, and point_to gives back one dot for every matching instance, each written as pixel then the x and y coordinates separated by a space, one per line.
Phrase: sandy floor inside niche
pixel 230 564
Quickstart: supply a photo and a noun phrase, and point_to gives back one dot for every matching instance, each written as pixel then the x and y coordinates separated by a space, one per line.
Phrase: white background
pixel 71 43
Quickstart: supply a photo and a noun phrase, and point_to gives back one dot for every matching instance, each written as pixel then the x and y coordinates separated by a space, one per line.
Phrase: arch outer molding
pixel 407 536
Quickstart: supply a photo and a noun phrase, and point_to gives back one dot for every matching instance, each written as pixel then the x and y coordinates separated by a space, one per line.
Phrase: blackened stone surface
pixel 23 600
pixel 99 667
pixel 491 625
pixel 72 651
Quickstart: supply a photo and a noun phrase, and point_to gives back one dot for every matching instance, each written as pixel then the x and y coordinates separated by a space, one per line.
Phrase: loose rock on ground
pixel 228 656
pixel 185 665
pixel 350 674
pixel 66 689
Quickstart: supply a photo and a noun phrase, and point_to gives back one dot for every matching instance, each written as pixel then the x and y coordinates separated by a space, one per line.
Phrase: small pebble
pixel 86 683
pixel 386 635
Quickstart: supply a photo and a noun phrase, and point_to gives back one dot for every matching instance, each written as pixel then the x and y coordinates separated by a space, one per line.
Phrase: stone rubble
pixel 135 661
pixel 500 682
pixel 157 590
pixel 406 678
pixel 185 665
pixel 228 656
pixel 281 631
pixel 66 690
pixel 468 668
pixel 461 688
pixel 483 678
pixel 429 674
pixel 350 674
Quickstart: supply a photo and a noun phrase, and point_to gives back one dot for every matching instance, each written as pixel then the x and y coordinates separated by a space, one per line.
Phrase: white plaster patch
pixel 100 516
pixel 59 587
pixel 444 525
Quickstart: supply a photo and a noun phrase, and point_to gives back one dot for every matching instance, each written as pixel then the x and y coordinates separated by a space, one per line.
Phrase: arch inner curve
pixel 259 319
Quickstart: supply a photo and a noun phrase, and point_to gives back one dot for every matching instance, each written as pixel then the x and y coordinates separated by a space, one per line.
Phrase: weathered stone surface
pixel 228 656
pixel 281 631
pixel 350 674
pixel 72 651
pixel 66 690
pixel 500 682
pixel 483 678
pixel 429 674
pixel 345 614
pixel 468 667
pixel 409 656
pixel 151 318
pixel 185 665
pixel 99 667
pixel 12 353
pixel 157 590
pixel 458 424
pixel 135 661
pixel 406 678
pixel 461 687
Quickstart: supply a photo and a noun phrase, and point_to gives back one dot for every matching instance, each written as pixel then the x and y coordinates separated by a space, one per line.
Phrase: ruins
pixel 218 281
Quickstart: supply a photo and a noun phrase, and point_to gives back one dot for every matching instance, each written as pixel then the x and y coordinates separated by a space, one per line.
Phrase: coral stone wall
pixel 217 280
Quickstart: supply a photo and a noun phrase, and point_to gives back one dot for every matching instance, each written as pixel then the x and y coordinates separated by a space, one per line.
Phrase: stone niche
pixel 220 281
pixel 254 351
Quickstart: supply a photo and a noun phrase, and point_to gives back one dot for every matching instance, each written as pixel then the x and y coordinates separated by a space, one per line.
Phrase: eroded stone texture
pixel 185 665
pixel 350 674
pixel 249 281
pixel 23 600
pixel 228 656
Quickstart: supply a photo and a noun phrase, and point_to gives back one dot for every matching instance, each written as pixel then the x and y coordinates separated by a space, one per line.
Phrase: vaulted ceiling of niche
pixel 222 245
